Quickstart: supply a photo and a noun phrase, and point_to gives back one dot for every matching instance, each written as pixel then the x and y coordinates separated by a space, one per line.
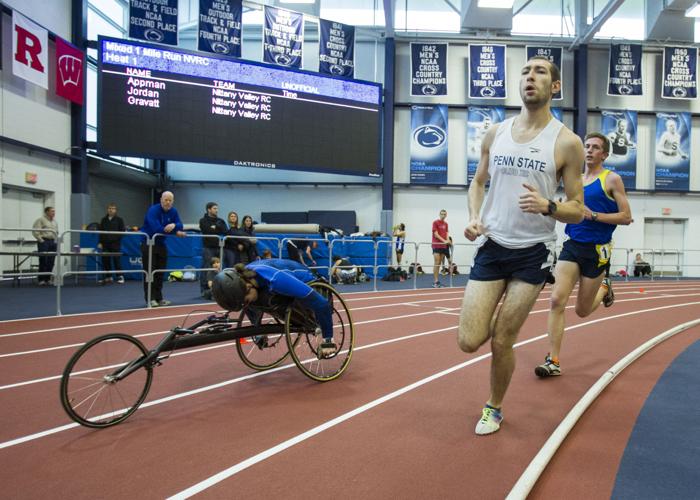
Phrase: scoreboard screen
pixel 164 103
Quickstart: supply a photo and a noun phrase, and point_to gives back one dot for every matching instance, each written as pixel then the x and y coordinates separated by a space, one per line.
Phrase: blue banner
pixel 336 49
pixel 673 151
pixel 487 71
pixel 620 127
pixel 625 70
pixel 479 120
pixel 428 69
pixel 153 20
pixel 558 113
pixel 220 27
pixel 553 54
pixel 283 37
pixel 680 80
pixel 429 144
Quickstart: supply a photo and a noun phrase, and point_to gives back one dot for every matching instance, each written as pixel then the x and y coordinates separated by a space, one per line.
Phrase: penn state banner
pixel 220 27
pixel 479 120
pixel 336 49
pixel 672 151
pixel 429 144
pixel 553 54
pixel 680 80
pixel 283 37
pixel 153 20
pixel 620 127
pixel 428 69
pixel 558 113
pixel 625 70
pixel 487 71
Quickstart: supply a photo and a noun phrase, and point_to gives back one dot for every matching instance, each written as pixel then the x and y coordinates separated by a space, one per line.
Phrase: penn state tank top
pixel 511 165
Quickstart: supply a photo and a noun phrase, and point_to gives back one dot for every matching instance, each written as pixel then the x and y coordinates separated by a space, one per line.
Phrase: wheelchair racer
pixel 263 280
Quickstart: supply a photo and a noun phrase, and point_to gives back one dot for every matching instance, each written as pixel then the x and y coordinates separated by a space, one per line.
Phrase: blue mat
pixel 663 453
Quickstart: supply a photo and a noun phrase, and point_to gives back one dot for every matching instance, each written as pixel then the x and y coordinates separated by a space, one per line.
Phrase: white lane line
pixel 62 428
pixel 436 310
pixel 376 296
pixel 48 432
pixel 264 455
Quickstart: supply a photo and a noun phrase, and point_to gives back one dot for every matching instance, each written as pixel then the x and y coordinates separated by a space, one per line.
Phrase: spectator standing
pixel 210 276
pixel 212 228
pixel 251 249
pixel 231 250
pixel 46 234
pixel 161 218
pixel 440 242
pixel 400 235
pixel 111 243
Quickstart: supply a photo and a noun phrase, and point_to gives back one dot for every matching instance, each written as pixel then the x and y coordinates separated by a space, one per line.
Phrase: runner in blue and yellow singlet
pixel 585 257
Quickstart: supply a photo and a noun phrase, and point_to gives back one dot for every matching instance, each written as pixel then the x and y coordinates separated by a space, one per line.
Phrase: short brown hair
pixel 598 135
pixel 554 70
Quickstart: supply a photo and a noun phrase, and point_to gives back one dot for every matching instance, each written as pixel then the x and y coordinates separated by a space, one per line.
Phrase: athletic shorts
pixel 443 251
pixel 591 258
pixel 495 262
pixel 399 246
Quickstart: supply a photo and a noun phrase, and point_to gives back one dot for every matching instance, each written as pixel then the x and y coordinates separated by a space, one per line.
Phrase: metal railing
pixel 664 263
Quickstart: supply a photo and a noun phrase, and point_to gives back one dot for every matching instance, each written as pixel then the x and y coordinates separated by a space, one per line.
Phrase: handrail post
pixel 150 241
pixel 375 244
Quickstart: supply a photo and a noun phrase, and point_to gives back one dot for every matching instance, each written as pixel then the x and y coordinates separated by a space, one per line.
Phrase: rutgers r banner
pixel 30 49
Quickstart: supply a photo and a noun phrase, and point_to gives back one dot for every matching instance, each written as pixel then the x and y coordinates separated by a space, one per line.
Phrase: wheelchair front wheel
pixel 262 352
pixel 91 394
pixel 304 337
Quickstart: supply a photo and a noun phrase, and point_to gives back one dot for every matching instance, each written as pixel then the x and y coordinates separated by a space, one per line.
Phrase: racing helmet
pixel 228 289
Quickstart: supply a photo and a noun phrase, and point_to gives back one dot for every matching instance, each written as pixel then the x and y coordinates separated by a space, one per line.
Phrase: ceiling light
pixel 496 4
pixel 694 11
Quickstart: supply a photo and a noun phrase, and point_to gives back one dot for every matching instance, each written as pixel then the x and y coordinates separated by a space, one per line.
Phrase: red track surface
pixel 415 443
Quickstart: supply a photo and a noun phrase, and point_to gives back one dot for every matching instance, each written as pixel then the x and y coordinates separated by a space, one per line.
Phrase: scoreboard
pixel 164 103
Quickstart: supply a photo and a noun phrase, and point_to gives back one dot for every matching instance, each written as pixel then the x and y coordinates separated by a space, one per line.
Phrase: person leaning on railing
pixel 46 234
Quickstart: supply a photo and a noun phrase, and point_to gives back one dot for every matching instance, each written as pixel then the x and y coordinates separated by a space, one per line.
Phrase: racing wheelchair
pixel 109 377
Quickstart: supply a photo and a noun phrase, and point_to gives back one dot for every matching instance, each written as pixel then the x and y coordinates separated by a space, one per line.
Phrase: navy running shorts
pixel 592 258
pixel 495 262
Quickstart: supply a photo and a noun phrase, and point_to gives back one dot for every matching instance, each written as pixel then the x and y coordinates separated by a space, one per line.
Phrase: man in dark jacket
pixel 111 243
pixel 210 225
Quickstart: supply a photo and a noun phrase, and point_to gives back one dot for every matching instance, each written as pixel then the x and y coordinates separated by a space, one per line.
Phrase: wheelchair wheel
pixel 89 393
pixel 262 352
pixel 304 337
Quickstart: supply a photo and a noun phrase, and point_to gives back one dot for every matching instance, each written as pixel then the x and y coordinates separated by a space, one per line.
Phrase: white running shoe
pixel 489 422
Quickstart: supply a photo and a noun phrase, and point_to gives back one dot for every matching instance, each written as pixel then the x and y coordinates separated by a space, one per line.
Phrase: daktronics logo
pixel 69 68
pixel 429 136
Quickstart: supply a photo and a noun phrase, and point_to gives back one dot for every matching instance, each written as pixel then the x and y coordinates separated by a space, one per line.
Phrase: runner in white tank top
pixel 523 158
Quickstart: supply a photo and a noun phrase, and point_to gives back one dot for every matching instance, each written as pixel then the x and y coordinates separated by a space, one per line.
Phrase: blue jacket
pixel 156 219
pixel 289 278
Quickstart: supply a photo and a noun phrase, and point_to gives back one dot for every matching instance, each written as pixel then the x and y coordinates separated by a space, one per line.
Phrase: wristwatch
pixel 551 207
pixel 594 216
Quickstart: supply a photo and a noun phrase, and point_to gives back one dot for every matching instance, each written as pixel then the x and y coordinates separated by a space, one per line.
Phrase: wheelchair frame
pixel 80 390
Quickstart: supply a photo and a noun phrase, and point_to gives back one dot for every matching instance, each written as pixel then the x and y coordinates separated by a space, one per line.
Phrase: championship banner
pixel 680 80
pixel 70 74
pixel 558 113
pixel 625 70
pixel 428 69
pixel 487 71
pixel 673 151
pixel 220 27
pixel 479 120
pixel 153 20
pixel 620 127
pixel 336 49
pixel 553 54
pixel 283 37
pixel 30 50
pixel 429 144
